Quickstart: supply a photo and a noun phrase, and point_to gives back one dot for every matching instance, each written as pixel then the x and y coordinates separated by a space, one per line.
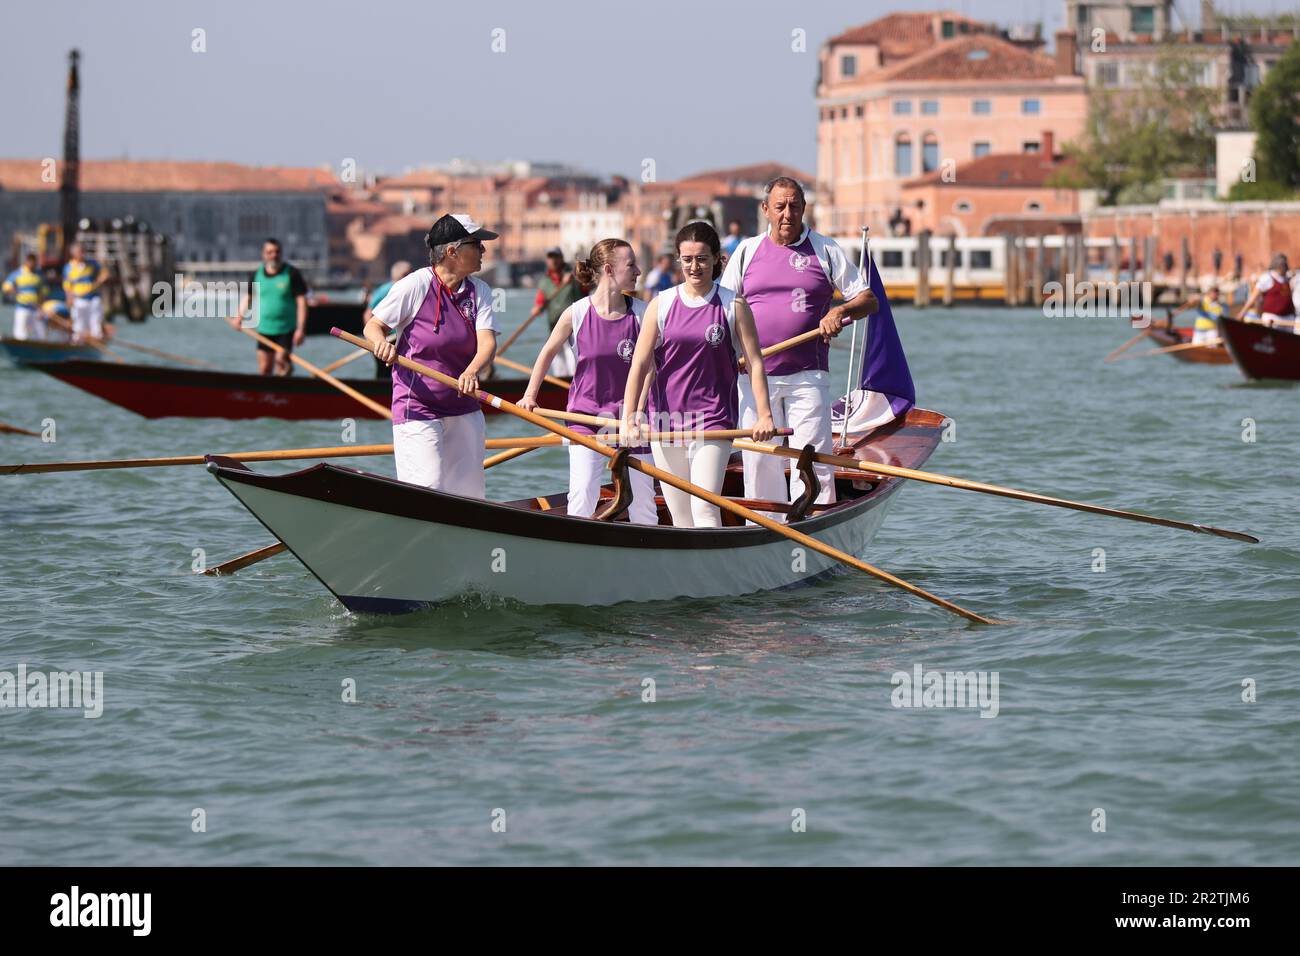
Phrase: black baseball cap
pixel 456 229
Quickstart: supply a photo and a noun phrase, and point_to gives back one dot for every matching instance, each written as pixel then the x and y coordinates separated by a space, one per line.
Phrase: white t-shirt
pixel 406 296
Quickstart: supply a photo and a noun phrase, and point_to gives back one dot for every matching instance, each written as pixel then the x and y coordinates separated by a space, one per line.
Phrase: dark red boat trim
pixel 159 391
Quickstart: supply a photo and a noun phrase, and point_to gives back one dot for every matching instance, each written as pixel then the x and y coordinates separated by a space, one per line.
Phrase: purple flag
pixel 884 367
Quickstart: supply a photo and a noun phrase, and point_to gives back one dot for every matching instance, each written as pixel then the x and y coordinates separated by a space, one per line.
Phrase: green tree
pixel 1275 116
pixel 1137 136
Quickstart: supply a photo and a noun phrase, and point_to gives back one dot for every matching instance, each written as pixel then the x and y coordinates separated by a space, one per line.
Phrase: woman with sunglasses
pixel 689 338
pixel 443 317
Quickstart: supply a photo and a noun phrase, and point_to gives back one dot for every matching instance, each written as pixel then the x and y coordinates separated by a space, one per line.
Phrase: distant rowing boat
pixel 380 545
pixel 30 351
pixel 1261 352
pixel 157 391
pixel 1203 355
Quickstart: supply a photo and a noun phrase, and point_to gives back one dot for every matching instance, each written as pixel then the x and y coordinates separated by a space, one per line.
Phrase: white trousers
pixel 445 454
pixel 702 463
pixel 804 407
pixel 588 469
pixel 88 318
pixel 1205 336
pixel 1281 321
pixel 28 323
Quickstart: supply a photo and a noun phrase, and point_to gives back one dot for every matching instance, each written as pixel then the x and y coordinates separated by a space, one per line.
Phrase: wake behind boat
pixel 380 545
pixel 157 391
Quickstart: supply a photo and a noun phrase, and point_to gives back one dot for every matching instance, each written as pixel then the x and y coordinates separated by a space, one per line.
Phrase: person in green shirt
pixel 278 297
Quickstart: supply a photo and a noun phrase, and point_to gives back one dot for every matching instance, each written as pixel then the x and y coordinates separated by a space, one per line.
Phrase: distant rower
pixel 82 280
pixel 27 286
pixel 280 294
pixel 1275 296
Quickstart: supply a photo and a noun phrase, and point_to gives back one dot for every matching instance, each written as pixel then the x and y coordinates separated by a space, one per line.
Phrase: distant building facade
pixel 216 215
pixel 907 94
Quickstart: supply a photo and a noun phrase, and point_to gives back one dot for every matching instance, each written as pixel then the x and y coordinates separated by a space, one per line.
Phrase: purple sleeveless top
pixel 695 366
pixel 789 293
pixel 604 350
pixel 442 336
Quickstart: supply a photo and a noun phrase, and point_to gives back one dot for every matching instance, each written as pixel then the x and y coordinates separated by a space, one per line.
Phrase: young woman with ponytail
pixel 602 331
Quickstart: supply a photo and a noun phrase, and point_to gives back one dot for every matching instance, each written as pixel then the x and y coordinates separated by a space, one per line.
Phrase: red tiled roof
pixel 994 59
pixel 1005 170
pixel 756 173
pixel 126 175
pixel 901 35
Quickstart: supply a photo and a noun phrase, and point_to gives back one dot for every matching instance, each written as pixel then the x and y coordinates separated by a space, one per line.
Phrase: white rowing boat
pixel 380 545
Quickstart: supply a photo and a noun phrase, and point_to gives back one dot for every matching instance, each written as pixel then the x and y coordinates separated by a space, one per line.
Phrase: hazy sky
pixel 696 84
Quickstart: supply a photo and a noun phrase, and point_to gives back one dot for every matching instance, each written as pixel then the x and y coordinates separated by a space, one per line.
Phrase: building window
pixel 857 111
pixel 1030 107
pixel 844 112
pixel 949 29
pixel 902 155
pixel 981 148
pixel 1143 20
pixel 1033 206
pixel 981 107
pixel 1029 146
pixel 981 259
pixel 848 65
pixel 929 153
pixel 929 107
pixel 946 255
pixel 902 107
pixel 1107 74
pixel 1082 16
pixel 962 205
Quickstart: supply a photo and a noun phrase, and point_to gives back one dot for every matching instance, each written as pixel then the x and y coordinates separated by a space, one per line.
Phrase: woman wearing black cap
pixel 443 317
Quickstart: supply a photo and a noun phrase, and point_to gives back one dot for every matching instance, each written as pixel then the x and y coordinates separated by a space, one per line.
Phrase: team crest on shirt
pixel 624 350
pixel 713 335
pixel 466 306
pixel 798 261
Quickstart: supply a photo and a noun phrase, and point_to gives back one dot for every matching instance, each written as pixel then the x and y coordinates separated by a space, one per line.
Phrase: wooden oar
pixel 15 430
pixel 790 343
pixel 669 478
pixel 271 550
pixel 720 434
pixel 159 353
pixel 351 358
pixel 321 374
pixel 1172 348
pixel 1125 347
pixel 937 479
pixel 520 367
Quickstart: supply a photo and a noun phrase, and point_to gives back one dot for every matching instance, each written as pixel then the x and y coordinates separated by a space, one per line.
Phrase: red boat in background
pixel 158 391
pixel 1262 352
pixel 1167 335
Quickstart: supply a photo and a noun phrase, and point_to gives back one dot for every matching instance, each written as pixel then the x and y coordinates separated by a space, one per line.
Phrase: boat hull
pixel 29 352
pixel 1260 352
pixel 383 546
pixel 1203 355
pixel 157 391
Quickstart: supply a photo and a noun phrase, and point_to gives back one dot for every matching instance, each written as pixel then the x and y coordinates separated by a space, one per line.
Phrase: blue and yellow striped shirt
pixel 79 278
pixel 27 287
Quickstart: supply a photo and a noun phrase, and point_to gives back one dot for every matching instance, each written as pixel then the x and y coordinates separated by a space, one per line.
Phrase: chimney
pixel 1048 148
pixel 1066 54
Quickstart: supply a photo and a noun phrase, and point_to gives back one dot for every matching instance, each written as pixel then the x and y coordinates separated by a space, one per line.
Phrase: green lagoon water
pixel 1119 690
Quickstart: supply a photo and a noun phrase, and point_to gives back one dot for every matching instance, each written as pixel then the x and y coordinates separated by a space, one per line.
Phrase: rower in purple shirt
pixel 690 335
pixel 443 317
pixel 602 331
pixel 789 276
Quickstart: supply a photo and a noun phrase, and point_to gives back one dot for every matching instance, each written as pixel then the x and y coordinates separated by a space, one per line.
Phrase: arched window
pixel 962 205
pixel 1033 206
pixel 902 155
pixel 929 153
